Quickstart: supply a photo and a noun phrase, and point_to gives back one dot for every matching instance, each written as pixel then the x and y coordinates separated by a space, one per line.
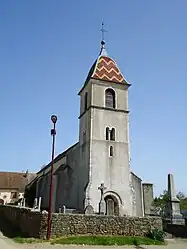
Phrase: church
pixel 101 156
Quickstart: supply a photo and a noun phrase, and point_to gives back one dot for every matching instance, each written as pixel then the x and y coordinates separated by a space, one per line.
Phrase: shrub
pixel 156 234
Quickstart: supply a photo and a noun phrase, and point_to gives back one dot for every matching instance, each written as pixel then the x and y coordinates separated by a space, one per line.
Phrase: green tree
pixel 160 202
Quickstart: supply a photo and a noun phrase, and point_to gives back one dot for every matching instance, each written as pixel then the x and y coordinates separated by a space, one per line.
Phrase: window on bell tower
pixel 111 151
pixel 110 98
pixel 112 134
pixel 107 133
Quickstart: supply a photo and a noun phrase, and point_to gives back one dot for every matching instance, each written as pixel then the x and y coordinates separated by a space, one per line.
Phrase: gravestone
pixel 102 204
pixel 24 202
pixel 173 211
pixel 89 210
pixel 39 203
pixel 63 209
pixel 35 204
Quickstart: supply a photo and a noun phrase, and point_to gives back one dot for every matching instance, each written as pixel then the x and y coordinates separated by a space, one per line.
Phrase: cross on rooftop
pixel 103 31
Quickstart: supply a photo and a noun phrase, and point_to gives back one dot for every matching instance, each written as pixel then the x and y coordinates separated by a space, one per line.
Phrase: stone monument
pixel 173 206
pixel 102 204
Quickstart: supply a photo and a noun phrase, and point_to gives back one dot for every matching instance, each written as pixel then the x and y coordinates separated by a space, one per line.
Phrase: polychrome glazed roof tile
pixel 105 68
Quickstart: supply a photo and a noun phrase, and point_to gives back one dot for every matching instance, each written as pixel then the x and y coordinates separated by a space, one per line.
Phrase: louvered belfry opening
pixel 110 98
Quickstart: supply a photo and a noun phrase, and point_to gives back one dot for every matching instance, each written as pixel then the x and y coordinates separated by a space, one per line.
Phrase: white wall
pixel 6 195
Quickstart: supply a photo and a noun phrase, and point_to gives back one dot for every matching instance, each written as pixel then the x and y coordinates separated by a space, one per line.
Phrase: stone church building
pixel 102 153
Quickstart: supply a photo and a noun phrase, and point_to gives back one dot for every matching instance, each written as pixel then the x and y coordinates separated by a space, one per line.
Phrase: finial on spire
pixel 103 32
pixel 103 51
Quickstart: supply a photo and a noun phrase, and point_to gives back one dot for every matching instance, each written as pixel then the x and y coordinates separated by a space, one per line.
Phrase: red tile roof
pixel 15 180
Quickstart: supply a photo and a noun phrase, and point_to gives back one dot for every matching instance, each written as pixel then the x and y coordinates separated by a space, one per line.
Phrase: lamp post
pixel 53 133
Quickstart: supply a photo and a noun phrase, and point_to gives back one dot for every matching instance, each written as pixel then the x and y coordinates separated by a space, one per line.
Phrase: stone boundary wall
pixel 25 221
pixel 34 224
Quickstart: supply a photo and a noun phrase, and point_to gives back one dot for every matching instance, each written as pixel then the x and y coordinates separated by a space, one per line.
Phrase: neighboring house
pixel 12 186
pixel 102 154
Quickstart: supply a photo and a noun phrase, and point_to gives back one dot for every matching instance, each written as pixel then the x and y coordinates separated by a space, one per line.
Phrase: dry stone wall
pixel 34 224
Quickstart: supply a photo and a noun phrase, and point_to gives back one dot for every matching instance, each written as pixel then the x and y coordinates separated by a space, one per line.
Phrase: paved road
pixel 6 243
pixel 171 245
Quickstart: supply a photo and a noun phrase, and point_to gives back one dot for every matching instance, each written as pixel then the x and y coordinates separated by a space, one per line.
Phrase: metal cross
pixel 103 31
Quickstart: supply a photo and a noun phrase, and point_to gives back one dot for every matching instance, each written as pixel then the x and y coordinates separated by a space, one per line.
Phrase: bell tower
pixel 104 135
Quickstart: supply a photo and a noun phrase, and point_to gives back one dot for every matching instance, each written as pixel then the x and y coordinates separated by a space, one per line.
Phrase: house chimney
pixel 26 173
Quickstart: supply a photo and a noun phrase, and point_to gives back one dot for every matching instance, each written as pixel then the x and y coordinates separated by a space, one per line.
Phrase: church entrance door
pixel 112 207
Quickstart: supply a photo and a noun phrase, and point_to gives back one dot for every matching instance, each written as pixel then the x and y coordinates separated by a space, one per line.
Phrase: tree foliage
pixel 161 201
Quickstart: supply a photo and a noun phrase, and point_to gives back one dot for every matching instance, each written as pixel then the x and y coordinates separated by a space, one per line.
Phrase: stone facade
pixel 112 170
pixel 148 198
pixel 34 224
pixel 138 195
pixel 102 154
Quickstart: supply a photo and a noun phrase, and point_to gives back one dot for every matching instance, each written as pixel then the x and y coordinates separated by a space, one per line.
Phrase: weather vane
pixel 103 31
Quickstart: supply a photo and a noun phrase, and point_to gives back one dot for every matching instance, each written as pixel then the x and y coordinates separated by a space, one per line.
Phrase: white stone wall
pixel 137 188
pixel 114 172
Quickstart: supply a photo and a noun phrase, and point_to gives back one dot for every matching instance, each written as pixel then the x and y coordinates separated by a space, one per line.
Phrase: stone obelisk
pixel 173 204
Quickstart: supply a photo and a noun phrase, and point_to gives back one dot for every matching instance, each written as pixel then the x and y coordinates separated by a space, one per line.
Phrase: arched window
pixel 110 100
pixel 107 133
pixel 112 134
pixel 85 101
pixel 111 152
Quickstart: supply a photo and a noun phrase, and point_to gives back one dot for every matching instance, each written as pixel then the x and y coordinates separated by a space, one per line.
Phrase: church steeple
pixel 103 134
pixel 105 68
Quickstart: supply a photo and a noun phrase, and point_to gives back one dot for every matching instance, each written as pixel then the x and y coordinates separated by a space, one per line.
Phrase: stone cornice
pixel 103 108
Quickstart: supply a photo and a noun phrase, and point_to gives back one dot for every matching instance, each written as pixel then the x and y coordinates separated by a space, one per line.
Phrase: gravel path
pixel 6 243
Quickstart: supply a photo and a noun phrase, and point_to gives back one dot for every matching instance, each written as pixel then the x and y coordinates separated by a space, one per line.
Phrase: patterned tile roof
pixel 105 68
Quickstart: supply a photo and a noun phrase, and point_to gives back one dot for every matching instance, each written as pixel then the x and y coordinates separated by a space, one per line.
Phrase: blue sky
pixel 46 50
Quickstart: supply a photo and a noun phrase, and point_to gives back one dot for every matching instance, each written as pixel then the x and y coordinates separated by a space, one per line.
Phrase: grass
pixel 95 240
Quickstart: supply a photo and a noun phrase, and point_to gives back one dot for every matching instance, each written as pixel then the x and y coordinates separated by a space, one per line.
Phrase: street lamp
pixel 53 133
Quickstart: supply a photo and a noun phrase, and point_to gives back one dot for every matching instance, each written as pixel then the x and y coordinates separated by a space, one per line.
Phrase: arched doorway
pixel 1 202
pixel 112 205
